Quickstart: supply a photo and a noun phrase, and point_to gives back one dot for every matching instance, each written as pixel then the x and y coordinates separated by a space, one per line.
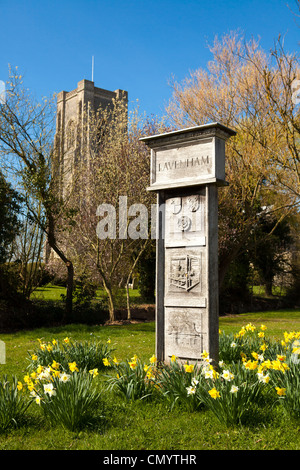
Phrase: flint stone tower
pixel 69 121
pixel 72 108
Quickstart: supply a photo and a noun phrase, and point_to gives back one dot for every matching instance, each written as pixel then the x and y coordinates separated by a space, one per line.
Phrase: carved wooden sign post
pixel 187 166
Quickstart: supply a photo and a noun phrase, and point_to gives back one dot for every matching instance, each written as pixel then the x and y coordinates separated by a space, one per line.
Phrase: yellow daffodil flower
pixel 153 359
pixel 280 391
pixel 132 364
pixel 94 372
pixel 214 393
pixel 189 368
pixel 73 366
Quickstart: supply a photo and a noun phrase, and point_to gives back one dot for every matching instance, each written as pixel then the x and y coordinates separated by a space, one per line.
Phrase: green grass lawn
pixel 143 425
pixel 51 292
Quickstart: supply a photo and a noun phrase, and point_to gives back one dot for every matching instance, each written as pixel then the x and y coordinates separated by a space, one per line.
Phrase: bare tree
pixel 250 91
pixel 27 151
pixel 111 198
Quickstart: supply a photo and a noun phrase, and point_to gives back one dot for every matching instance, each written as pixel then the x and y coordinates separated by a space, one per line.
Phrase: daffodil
pixel 73 366
pixel 234 389
pixel 189 368
pixel 150 374
pixel 280 357
pixel 34 357
pixel 208 373
pixel 280 391
pixel 241 333
pixel 153 359
pixel 251 365
pixel 191 390
pixel 49 389
pixel 94 372
pixel 132 364
pixel 64 377
pixel 30 386
pixel 264 378
pixel 204 355
pixel 45 374
pixel 106 362
pixel 19 385
pixel 214 393
pixel 227 375
pixel 250 327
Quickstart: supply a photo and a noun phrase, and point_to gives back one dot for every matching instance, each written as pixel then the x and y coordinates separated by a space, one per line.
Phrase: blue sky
pixel 137 45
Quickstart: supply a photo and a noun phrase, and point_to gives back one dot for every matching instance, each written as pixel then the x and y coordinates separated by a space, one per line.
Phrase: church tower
pixel 69 124
pixel 71 135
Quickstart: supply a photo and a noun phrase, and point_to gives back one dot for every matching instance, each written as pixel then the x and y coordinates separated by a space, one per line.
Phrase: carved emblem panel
pixel 184 272
pixel 185 220
pixel 185 277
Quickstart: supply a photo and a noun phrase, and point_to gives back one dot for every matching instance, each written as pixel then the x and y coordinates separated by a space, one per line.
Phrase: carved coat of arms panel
pixel 185 220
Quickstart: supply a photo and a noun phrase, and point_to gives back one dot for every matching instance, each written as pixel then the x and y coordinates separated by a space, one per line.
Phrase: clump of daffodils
pixel 86 354
pixel 134 379
pixel 252 369
pixel 66 396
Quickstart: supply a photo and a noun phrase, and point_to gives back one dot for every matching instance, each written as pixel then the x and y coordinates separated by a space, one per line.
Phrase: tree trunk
pixel 128 301
pixel 69 296
pixel 268 287
pixel 142 249
pixel 70 269
pixel 111 304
